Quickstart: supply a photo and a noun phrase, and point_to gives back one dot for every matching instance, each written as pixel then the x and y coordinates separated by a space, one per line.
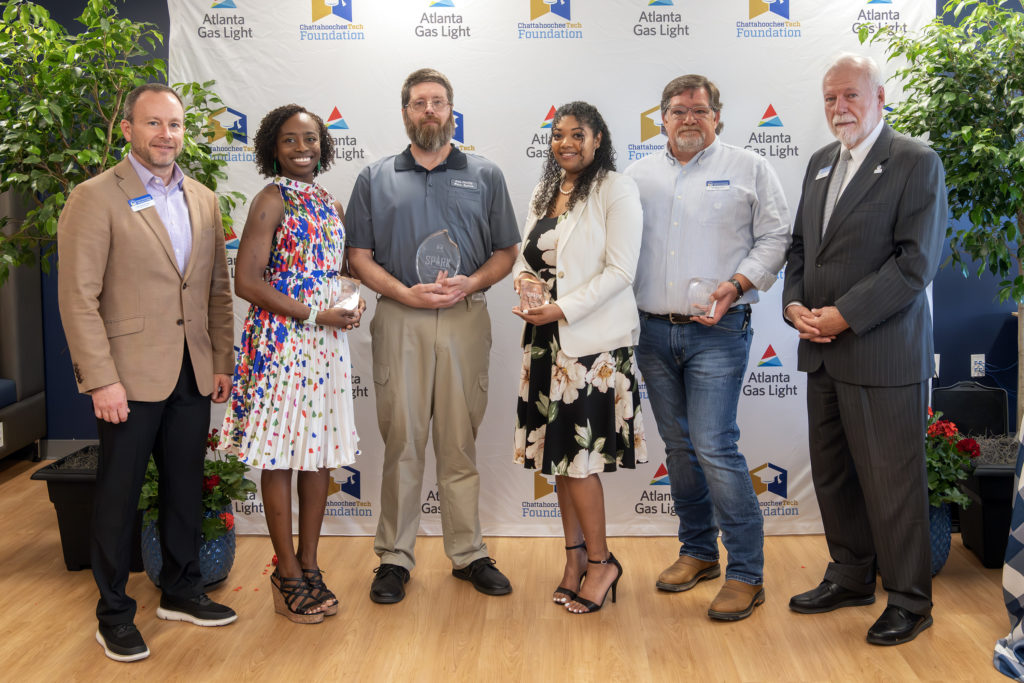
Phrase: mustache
pixel 845 118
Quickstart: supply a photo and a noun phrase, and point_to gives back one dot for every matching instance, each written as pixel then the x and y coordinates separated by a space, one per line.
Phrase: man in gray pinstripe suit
pixel 866 243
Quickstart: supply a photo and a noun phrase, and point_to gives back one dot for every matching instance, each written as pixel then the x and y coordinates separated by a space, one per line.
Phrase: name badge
pixel 141 202
pixel 464 184
pixel 823 173
pixel 716 185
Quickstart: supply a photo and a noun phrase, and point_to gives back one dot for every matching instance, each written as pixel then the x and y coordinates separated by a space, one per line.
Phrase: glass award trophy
pixel 435 254
pixel 533 292
pixel 348 294
pixel 698 296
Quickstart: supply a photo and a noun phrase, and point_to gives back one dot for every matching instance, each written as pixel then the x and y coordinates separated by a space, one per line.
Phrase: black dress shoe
pixel 827 597
pixel 122 642
pixel 200 610
pixel 897 625
pixel 388 586
pixel 484 576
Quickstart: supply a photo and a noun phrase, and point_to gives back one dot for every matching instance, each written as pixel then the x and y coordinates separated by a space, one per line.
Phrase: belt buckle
pixel 678 318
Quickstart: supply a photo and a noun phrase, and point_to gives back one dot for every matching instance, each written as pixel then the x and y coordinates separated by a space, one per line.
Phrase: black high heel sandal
pixel 321 593
pixel 592 607
pixel 569 594
pixel 293 599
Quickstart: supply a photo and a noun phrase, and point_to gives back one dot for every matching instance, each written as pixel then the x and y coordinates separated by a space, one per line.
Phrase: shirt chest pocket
pixel 724 205
pixel 464 205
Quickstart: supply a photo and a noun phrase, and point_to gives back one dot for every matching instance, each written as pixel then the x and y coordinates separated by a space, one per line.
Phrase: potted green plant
pixel 61 97
pixel 223 481
pixel 963 90
pixel 948 456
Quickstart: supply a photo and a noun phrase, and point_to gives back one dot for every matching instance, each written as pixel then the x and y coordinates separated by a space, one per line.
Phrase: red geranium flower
pixel 943 428
pixel 969 446
pixel 210 483
pixel 228 519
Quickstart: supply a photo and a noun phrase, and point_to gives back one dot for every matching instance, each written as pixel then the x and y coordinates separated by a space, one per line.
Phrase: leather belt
pixel 682 319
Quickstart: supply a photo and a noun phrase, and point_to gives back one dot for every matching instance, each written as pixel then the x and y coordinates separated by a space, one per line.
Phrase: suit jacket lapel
pixel 572 219
pixel 132 187
pixel 194 215
pixel 863 181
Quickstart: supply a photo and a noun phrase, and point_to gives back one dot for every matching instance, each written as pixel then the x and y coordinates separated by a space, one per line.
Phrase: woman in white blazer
pixel 578 412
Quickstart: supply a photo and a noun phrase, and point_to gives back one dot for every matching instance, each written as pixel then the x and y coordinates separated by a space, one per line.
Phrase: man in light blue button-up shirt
pixel 716 213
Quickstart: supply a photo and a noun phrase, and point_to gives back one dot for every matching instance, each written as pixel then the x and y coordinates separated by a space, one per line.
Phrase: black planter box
pixel 985 523
pixel 71 483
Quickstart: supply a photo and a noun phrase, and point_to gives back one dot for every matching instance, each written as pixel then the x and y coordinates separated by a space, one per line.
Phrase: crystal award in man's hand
pixel 435 254
pixel 698 296
pixel 533 292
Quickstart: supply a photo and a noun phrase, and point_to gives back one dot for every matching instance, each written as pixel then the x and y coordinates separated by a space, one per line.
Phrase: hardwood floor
pixel 446 631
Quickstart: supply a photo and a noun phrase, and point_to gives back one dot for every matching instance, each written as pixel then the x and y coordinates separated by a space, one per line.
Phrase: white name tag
pixel 464 184
pixel 142 202
pixel 823 173
pixel 716 185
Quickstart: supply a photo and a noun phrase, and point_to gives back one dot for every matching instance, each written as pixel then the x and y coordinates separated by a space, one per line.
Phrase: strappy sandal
pixel 569 594
pixel 321 593
pixel 293 598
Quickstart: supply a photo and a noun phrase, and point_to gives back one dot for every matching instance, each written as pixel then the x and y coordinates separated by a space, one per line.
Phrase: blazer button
pixel 561 273
pixel 184 286
pixel 180 321
pixel 817 265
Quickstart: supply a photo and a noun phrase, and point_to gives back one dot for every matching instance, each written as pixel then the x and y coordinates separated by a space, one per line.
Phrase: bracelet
pixel 739 288
pixel 313 313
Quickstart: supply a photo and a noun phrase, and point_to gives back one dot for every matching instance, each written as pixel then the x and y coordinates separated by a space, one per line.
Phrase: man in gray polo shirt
pixel 431 341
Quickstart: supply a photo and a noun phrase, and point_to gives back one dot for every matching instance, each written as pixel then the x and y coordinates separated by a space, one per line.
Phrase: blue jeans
pixel 694 375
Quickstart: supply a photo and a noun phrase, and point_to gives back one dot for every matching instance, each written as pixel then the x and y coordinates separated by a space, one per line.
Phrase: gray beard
pixel 430 138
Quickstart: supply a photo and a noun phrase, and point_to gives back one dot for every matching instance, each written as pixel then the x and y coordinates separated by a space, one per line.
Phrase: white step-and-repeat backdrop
pixel 511 62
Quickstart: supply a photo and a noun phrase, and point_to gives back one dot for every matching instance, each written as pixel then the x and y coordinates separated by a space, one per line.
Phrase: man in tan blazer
pixel 145 302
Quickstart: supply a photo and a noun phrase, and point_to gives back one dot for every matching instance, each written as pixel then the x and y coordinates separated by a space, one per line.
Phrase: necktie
pixel 834 188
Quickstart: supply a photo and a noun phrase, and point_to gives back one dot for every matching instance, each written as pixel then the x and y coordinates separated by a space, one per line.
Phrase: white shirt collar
pixel 859 152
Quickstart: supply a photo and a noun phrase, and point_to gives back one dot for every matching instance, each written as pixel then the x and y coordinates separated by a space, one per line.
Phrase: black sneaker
pixel 122 643
pixel 484 576
pixel 200 610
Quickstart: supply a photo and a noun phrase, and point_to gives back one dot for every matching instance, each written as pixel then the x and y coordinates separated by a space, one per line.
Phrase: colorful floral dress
pixel 575 416
pixel 291 400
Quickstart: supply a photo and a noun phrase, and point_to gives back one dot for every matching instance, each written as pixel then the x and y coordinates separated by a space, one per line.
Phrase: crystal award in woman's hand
pixel 435 254
pixel 348 294
pixel 698 296
pixel 533 292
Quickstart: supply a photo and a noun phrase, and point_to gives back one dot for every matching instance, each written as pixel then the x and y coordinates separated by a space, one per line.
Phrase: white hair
pixel 861 62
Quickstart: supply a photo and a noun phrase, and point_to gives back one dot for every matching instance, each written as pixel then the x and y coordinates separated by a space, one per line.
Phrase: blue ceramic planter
pixel 940 530
pixel 215 557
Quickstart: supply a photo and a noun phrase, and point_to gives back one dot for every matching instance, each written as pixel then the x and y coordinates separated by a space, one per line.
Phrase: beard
pixel 690 143
pixel 849 136
pixel 428 135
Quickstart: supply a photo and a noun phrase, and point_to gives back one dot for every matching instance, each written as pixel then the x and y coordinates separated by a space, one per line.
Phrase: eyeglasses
pixel 680 113
pixel 437 104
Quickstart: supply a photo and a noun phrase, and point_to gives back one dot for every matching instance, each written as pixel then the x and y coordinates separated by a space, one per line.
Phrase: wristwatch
pixel 739 288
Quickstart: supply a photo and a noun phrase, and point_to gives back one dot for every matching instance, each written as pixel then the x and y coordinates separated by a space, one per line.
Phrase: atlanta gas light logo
pixel 768 141
pixel 656 498
pixel 878 18
pixel 766 381
pixel 332 20
pixel 346 145
pixel 224 25
pixel 449 25
pixel 661 22
pixel 540 143
pixel 545 24
pixel 761 26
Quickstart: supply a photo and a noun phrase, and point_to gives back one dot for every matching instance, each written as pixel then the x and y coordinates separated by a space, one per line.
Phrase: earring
pixel 275 166
pixel 318 167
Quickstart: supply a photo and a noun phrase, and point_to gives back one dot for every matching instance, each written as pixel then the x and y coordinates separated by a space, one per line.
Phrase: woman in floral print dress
pixel 291 402
pixel 579 406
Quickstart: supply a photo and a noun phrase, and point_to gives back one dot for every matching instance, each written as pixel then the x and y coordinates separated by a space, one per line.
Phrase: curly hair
pixel 591 176
pixel 265 141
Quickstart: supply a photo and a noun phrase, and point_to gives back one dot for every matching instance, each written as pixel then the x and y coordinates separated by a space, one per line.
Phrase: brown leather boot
pixel 686 572
pixel 736 600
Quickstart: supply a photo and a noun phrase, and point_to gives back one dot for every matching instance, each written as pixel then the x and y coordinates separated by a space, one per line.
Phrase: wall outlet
pixel 935 373
pixel 1 434
pixel 977 365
